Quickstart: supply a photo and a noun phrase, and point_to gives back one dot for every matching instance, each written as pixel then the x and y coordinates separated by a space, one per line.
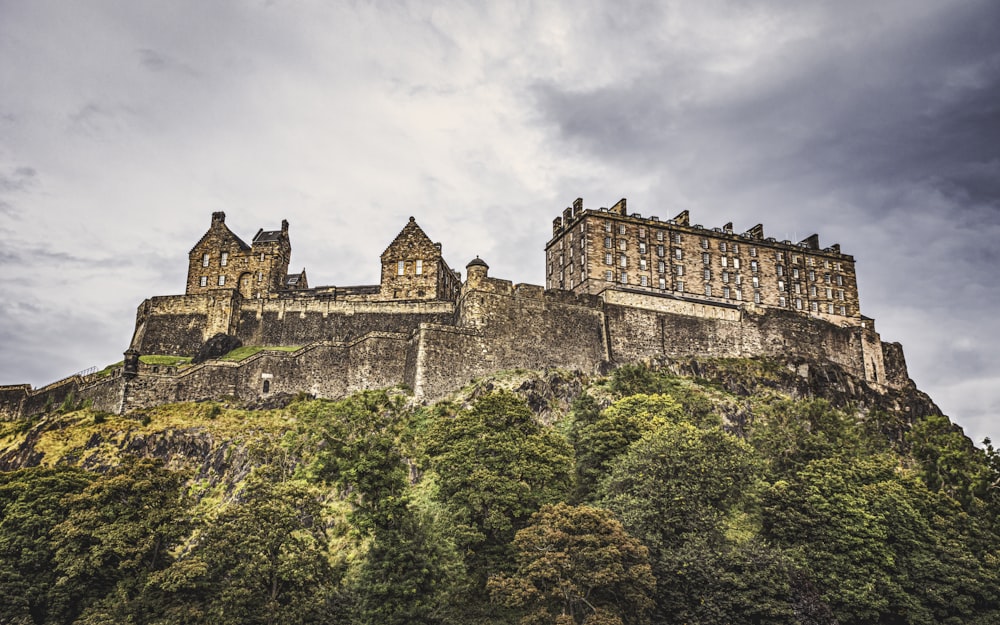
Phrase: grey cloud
pixel 19 179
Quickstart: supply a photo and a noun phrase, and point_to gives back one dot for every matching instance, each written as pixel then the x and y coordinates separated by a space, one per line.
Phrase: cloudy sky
pixel 124 125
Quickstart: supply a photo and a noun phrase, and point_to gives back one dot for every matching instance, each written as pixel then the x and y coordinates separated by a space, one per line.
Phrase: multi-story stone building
pixel 595 250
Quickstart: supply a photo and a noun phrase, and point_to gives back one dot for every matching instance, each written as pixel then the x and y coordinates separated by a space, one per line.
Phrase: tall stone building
pixel 592 251
pixel 222 260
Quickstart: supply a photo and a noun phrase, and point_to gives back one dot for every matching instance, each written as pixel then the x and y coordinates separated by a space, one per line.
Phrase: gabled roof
pixel 412 239
pixel 226 233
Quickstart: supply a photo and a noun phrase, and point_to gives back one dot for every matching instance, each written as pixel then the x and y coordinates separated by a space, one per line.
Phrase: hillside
pixel 705 491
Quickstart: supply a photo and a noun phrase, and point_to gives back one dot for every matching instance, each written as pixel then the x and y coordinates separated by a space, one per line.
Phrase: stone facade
pixel 592 251
pixel 423 328
pixel 221 261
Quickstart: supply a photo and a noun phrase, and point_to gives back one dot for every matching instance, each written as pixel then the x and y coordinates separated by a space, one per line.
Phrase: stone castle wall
pixel 436 347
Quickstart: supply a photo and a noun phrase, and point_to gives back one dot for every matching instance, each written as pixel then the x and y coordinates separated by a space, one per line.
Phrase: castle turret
pixel 477 271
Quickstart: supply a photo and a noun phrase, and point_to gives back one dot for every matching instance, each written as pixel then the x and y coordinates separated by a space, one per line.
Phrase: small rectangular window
pixel 622 244
pixel 708 274
pixel 608 259
pixel 829 308
pixel 756 282
pixel 642 247
pixel 680 286
pixel 663 283
pixel 679 270
pixel 706 258
pixel 607 243
pixel 609 275
pixel 678 253
pixel 222 280
pixel 661 267
pixel 621 228
pixel 643 281
pixel 798 304
pixel 739 295
pixel 753 252
pixel 642 232
pixel 708 290
pixel 843 310
pixel 677 238
pixel 756 297
pixel 813 306
pixel 607 226
pixel 736 263
pixel 420 267
pixel 781 301
pixel 203 281
pixel 780 270
pixel 659 250
pixel 642 264
pixel 624 278
pixel 725 292
pixel 753 266
pixel 400 267
pixel 204 260
pixel 725 261
pixel 659 235
pixel 704 244
pixel 623 260
pixel 224 259
pixel 722 246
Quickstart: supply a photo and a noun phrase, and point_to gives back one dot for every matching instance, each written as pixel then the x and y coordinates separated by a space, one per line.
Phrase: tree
pixel 119 531
pixel 576 565
pixel 496 466
pixel 31 504
pixel 600 437
pixel 677 490
pixel 262 560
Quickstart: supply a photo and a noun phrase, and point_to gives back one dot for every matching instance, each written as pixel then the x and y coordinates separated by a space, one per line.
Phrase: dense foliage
pixel 653 499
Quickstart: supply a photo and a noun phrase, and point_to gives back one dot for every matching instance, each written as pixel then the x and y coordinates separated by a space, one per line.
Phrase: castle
pixel 620 288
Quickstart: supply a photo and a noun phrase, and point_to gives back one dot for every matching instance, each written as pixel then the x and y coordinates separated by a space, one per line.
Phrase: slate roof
pixel 269 236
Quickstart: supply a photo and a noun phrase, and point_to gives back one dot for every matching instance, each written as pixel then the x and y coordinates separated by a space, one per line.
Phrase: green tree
pixel 119 531
pixel 496 466
pixel 576 565
pixel 262 560
pixel 599 438
pixel 31 505
pixel 679 490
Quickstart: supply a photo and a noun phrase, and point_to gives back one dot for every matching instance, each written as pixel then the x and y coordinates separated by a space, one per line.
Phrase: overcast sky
pixel 124 125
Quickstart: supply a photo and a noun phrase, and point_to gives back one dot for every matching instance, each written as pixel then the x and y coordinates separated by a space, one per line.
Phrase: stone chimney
pixel 218 217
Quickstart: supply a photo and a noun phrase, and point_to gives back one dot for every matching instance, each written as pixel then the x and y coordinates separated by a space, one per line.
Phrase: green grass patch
pixel 242 353
pixel 167 361
pixel 106 371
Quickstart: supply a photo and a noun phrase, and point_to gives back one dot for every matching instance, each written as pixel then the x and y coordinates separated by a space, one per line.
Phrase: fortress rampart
pixel 426 333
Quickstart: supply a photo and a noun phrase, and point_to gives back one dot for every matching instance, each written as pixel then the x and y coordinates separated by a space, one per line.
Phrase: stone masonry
pixel 424 328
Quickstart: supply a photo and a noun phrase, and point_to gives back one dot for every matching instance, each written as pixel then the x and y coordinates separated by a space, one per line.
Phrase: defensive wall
pixel 435 347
